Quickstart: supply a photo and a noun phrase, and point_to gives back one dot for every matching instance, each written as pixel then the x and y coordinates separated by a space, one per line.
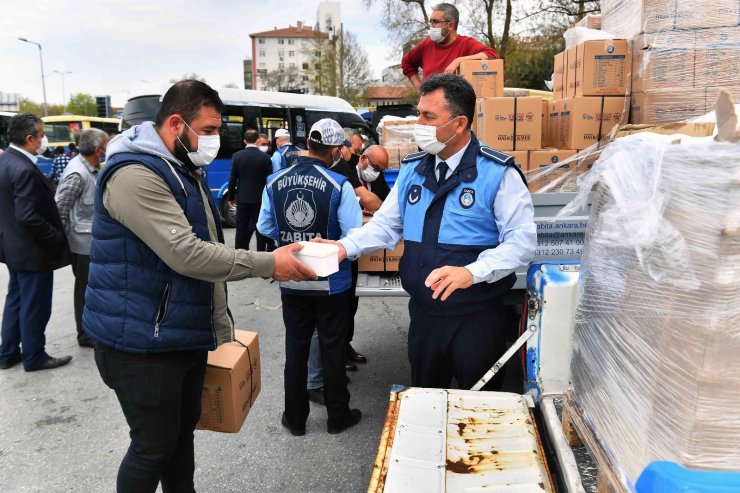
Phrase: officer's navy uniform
pixel 300 203
pixel 451 220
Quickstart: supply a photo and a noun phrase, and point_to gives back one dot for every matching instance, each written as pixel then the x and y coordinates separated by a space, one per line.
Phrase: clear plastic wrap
pixel 655 366
pixel 397 136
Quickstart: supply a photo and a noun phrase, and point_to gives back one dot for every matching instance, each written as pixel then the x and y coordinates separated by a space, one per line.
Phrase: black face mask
pixel 354 160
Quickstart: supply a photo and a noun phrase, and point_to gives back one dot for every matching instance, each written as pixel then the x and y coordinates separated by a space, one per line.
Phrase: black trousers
pixel 354 303
pixel 81 269
pixel 160 396
pixel 462 346
pixel 246 225
pixel 328 315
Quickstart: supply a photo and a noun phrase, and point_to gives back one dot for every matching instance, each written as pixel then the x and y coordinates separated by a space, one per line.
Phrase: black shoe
pixel 317 396
pixel 85 342
pixel 52 363
pixel 354 356
pixel 352 418
pixel 11 362
pixel 296 432
pixel 349 366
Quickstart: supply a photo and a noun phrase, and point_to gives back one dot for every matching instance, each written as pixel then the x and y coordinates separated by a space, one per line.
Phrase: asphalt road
pixel 62 430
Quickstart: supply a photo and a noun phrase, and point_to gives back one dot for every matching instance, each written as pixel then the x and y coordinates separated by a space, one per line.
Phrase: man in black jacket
pixel 32 245
pixel 250 168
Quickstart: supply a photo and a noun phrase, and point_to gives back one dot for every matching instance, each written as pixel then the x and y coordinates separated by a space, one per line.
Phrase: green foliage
pixel 28 106
pixel 530 62
pixel 82 104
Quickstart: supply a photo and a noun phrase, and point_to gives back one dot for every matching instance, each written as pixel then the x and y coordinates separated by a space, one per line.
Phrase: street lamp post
pixel 43 82
pixel 64 94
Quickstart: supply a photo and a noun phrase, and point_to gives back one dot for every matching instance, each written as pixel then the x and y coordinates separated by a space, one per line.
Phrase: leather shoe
pixel 349 366
pixel 317 396
pixel 52 363
pixel 296 432
pixel 354 356
pixel 14 360
pixel 349 420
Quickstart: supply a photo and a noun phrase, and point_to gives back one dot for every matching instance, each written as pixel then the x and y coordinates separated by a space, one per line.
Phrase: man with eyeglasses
pixel 444 49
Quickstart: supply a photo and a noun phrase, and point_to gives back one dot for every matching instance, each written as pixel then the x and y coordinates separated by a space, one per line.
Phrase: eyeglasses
pixel 435 22
pixel 374 166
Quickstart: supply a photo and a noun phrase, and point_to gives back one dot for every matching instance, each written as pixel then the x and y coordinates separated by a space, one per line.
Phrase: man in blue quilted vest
pixel 156 296
pixel 300 203
pixel 466 219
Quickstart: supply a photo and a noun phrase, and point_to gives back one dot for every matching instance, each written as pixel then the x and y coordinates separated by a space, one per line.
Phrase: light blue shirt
pixel 513 212
pixel 349 214
pixel 30 156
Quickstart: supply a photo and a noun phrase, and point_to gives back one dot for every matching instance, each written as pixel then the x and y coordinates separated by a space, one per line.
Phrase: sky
pixel 119 47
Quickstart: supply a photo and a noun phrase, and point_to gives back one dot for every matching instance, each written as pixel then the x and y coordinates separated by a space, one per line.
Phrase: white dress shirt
pixel 512 210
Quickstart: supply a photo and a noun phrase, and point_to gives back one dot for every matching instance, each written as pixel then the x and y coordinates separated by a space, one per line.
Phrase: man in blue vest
pixel 156 295
pixel 300 203
pixel 466 219
pixel 285 153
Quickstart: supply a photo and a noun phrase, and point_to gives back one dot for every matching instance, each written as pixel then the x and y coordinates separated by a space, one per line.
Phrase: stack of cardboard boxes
pixel 382 260
pixel 397 136
pixel 683 52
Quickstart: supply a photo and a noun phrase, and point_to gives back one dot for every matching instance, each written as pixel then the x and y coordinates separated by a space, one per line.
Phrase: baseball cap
pixel 281 132
pixel 328 132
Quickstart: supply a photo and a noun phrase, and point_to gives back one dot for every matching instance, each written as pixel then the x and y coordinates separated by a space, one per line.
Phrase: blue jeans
pixel 26 313
pixel 315 371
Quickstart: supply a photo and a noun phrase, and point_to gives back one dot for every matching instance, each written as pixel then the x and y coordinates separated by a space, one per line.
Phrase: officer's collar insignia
pixel 414 156
pixel 414 194
pixel 467 198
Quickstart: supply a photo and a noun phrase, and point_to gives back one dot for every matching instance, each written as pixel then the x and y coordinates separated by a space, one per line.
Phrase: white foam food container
pixel 323 258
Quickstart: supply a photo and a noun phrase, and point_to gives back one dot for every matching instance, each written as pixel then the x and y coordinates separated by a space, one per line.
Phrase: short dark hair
pixel 450 11
pixel 187 97
pixel 21 126
pixel 251 136
pixel 459 94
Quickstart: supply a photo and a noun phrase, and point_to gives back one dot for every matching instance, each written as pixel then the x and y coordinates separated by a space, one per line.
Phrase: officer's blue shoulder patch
pixel 498 156
pixel 414 156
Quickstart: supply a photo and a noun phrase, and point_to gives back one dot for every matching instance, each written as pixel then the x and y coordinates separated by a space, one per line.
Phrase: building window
pixel 261 41
pixel 291 65
pixel 305 66
pixel 262 53
pixel 291 41
pixel 305 78
pixel 281 41
pixel 291 53
pixel 281 65
pixel 263 65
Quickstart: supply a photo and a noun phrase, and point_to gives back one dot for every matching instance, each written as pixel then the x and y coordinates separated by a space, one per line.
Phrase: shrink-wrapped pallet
pixel 655 365
pixel 397 136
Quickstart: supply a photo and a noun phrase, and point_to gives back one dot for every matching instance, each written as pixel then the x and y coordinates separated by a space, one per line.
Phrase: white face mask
pixel 263 149
pixel 435 33
pixel 369 174
pixel 426 138
pixel 208 146
pixel 44 145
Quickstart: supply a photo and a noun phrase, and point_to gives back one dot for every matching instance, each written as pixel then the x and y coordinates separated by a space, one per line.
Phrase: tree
pixel 338 67
pixel 405 21
pixel 530 60
pixel 28 106
pixel 189 76
pixel 285 80
pixel 231 85
pixel 485 27
pixel 82 104
pixel 562 13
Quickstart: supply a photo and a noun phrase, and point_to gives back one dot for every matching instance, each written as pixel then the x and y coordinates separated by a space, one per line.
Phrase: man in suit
pixel 250 168
pixel 32 245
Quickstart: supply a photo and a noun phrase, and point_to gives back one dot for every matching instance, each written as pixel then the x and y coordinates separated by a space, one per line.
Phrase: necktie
pixel 442 169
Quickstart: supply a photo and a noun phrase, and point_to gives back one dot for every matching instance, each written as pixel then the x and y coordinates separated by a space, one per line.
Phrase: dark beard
pixel 181 153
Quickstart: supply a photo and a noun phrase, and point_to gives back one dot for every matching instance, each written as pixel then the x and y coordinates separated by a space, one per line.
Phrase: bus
pixel 63 130
pixel 43 162
pixel 265 111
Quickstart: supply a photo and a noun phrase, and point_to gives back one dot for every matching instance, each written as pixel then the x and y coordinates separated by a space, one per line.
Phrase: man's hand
pixel 232 203
pixel 452 67
pixel 289 268
pixel 342 251
pixel 445 280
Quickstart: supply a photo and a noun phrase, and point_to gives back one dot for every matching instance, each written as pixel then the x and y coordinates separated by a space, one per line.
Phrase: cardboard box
pixel 627 18
pixel 591 21
pixel 557 77
pixel 393 257
pixel 372 262
pixel 569 79
pixel 508 124
pixel 546 105
pixel 585 120
pixel 553 123
pixel 663 60
pixel 521 158
pixel 544 159
pixel 667 106
pixel 691 14
pixel 231 384
pixel 486 77
pixel 717 61
pixel 603 68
